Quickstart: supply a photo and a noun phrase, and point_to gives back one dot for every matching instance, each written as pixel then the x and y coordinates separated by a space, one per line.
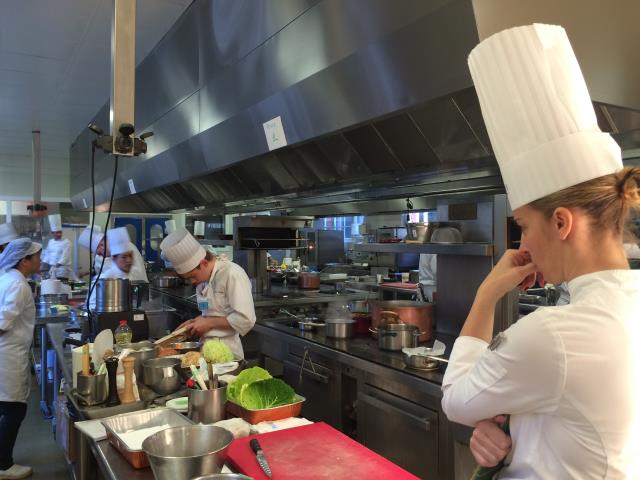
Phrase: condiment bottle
pixel 123 333
pixel 112 369
pixel 127 395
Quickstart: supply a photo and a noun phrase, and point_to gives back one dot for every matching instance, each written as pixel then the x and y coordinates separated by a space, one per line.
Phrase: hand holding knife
pixel 262 461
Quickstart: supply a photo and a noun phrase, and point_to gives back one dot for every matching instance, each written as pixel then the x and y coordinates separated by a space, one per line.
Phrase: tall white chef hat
pixel 55 222
pixel 538 113
pixel 118 240
pixel 182 250
pixel 170 226
pixel 91 243
pixel 198 228
pixel 7 233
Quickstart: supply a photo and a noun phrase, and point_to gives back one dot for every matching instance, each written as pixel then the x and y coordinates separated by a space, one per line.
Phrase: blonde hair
pixel 609 201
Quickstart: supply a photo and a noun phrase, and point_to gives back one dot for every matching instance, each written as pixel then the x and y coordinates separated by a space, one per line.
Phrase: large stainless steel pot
pixel 397 336
pixel 345 329
pixel 167 281
pixel 113 295
pixel 419 314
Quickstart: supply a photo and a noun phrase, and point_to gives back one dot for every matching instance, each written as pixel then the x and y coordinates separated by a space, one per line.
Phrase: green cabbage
pixel 243 379
pixel 269 393
pixel 215 351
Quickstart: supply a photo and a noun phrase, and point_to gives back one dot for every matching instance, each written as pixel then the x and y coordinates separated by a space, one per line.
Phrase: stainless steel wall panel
pixel 177 125
pixel 170 73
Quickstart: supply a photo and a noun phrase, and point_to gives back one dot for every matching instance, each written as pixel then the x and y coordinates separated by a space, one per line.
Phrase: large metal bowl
pixel 182 453
pixel 161 375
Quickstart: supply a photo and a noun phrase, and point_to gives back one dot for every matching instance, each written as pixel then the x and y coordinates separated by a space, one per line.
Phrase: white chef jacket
pixel 97 261
pixel 59 252
pixel 569 376
pixel 228 293
pixel 114 272
pixel 427 273
pixel 17 320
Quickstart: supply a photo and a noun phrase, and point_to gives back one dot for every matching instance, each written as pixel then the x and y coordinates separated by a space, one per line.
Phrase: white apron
pixel 228 294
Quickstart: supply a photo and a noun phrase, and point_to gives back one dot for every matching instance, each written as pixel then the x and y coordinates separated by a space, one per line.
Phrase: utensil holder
pixel 207 406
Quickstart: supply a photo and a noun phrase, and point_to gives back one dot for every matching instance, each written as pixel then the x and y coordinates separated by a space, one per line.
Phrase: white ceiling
pixel 54 75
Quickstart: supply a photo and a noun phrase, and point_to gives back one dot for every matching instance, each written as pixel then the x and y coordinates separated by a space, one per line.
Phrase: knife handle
pixel 255 446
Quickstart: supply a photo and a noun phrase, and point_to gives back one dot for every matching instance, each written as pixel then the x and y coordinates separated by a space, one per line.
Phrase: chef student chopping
pixel 122 260
pixel 223 290
pixel 59 251
pixel 20 259
pixel 7 233
pixel 568 377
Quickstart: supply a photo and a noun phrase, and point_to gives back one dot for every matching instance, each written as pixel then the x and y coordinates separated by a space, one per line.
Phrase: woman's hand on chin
pixel 515 269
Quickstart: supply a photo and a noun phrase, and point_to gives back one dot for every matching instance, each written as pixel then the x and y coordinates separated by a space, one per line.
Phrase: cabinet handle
pixel 308 373
pixel 387 406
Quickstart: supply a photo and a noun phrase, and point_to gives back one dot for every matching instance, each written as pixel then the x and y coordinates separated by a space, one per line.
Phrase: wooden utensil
pixel 179 331
pixel 86 360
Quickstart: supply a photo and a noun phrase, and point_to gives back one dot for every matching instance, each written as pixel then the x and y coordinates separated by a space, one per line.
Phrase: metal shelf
pixel 477 249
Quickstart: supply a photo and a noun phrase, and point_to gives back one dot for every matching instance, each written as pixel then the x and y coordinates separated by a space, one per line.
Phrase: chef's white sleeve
pixel 243 315
pixel 13 305
pixel 524 374
pixel 65 254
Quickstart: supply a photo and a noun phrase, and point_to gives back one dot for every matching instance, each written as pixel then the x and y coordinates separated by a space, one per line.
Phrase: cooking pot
pixel 167 281
pixel 359 306
pixel 308 280
pixel 410 312
pixel 113 295
pixel 343 329
pixel 397 336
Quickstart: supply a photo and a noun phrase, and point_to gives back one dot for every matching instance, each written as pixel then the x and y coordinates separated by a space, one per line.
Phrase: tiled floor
pixel 36 446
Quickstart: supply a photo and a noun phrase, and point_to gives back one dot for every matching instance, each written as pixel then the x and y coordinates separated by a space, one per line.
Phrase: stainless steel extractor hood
pixel 372 97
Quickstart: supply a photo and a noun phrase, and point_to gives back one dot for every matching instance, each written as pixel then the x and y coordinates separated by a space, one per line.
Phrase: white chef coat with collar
pixel 114 272
pixel 569 376
pixel 97 261
pixel 17 320
pixel 58 252
pixel 228 294
pixel 427 273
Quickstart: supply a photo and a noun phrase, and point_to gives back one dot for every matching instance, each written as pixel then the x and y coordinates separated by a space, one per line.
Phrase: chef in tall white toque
pixel 59 251
pixel 95 244
pixel 223 290
pixel 567 377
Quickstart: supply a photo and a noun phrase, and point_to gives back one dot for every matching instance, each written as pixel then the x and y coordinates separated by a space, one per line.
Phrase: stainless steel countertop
pixel 364 347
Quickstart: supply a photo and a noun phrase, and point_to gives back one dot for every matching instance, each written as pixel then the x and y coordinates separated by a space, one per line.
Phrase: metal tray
pixel 153 417
pixel 266 414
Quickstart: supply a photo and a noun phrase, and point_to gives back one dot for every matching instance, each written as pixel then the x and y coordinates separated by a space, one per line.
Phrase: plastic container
pixel 123 333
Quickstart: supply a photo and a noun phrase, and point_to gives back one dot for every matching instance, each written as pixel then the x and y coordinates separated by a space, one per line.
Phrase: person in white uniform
pixel 223 290
pixel 59 251
pixel 7 233
pixel 93 244
pixel 567 377
pixel 20 259
pixel 122 260
pixel 428 274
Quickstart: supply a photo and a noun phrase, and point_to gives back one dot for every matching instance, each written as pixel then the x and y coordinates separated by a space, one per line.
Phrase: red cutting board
pixel 312 452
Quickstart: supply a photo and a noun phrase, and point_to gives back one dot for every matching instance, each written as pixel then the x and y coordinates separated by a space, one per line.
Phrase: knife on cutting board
pixel 262 461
